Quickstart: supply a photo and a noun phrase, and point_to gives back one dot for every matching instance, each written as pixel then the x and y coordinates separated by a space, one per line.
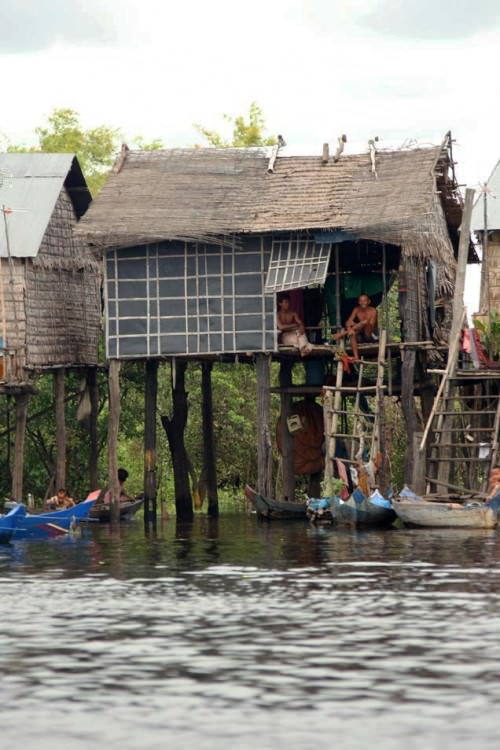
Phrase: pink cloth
pixel 297 302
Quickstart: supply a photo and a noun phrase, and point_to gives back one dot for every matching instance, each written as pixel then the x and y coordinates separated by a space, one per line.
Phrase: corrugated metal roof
pixel 30 186
pixel 492 203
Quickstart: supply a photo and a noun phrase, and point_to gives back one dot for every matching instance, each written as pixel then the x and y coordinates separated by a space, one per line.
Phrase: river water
pixel 240 634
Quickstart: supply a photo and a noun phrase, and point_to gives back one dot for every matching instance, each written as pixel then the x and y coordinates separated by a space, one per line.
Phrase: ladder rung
pixel 349 436
pixel 460 459
pixel 455 445
pixel 461 413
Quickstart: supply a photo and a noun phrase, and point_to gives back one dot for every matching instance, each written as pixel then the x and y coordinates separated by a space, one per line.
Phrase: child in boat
pixel 60 501
pixel 124 498
pixel 291 327
pixel 493 499
pixel 360 326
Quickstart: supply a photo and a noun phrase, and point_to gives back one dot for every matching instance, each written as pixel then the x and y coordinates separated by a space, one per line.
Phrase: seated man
pixel 360 326
pixel 60 501
pixel 291 328
pixel 123 498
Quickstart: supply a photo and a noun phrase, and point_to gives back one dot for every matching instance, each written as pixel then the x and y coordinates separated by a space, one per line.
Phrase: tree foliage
pixel 245 132
pixel 96 148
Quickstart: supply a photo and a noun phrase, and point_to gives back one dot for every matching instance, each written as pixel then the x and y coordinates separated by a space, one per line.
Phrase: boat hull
pixel 267 508
pixel 361 513
pixel 102 512
pixel 445 515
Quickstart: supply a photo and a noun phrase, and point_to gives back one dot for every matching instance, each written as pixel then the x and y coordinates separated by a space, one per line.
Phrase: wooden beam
pixel 93 387
pixel 59 395
pixel 286 437
pixel 113 427
pixel 209 454
pixel 264 442
pixel 22 402
pixel 150 402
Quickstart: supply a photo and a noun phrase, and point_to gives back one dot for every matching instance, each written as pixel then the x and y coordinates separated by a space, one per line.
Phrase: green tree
pixel 95 148
pixel 245 132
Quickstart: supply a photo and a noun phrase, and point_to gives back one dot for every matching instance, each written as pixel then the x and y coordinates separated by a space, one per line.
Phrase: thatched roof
pixel 206 194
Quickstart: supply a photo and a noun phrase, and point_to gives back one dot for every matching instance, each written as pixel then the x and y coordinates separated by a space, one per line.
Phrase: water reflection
pixel 232 633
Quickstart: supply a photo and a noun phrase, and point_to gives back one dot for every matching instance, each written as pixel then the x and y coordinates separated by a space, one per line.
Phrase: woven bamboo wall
pixel 63 302
pixel 494 271
pixel 12 279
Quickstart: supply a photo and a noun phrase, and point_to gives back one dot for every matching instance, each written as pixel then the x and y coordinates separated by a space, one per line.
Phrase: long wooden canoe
pixel 267 508
pixel 446 515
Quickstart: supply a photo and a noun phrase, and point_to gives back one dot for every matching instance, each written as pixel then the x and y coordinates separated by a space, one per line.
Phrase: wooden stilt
pixel 150 401
pixel 174 428
pixel 286 437
pixel 59 395
pixel 93 387
pixel 113 426
pixel 209 439
pixel 264 443
pixel 17 471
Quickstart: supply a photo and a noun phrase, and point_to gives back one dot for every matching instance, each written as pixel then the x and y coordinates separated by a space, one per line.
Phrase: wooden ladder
pixel 459 444
pixel 367 428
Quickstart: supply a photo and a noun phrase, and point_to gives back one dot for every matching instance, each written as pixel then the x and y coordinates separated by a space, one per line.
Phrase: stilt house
pixel 50 281
pixel 198 242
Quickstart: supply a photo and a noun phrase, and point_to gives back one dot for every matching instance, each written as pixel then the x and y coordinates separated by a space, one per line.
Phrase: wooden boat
pixel 45 525
pixel 8 523
pixel 357 510
pixel 362 511
pixel 102 511
pixel 420 512
pixel 267 508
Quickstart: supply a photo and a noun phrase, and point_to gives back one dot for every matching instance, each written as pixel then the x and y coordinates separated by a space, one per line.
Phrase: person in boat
pixel 291 328
pixel 360 326
pixel 123 496
pixel 60 500
pixel 493 499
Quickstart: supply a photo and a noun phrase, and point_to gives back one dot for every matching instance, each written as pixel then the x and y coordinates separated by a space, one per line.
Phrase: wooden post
pixel 286 437
pixel 59 388
pixel 418 478
pixel 17 472
pixel 209 439
pixel 150 401
pixel 113 426
pixel 174 428
pixel 264 443
pixel 457 320
pixel 93 387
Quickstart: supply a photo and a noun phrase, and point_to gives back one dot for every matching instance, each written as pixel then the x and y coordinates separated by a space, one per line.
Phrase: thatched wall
pixel 62 295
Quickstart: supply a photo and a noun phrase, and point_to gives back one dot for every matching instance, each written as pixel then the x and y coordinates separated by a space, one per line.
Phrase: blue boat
pixel 360 510
pixel 23 525
pixel 8 523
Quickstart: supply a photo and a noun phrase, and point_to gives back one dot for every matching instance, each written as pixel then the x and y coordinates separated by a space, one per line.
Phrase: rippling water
pixel 237 634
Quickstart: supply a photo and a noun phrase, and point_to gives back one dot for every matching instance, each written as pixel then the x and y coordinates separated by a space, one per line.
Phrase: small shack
pixel 198 242
pixel 50 285
pixel 486 225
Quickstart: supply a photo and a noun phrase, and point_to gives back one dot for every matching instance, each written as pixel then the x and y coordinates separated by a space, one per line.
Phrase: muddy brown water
pixel 239 634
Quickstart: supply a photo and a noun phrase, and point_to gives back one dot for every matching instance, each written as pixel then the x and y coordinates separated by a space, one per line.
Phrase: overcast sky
pixel 400 69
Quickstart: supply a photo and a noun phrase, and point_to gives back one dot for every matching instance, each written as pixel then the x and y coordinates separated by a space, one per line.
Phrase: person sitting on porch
pixel 60 501
pixel 360 326
pixel 291 327
pixel 123 496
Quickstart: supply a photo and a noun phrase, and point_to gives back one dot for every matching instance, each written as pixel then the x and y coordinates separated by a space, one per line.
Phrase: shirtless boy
pixel 360 326
pixel 291 327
